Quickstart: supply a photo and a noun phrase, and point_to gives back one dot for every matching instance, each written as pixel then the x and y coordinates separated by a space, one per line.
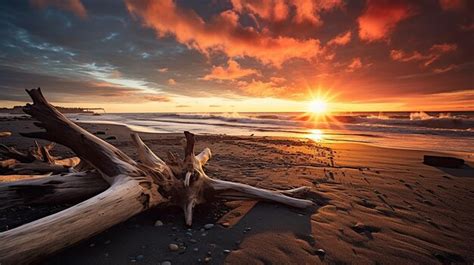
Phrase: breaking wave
pixel 415 119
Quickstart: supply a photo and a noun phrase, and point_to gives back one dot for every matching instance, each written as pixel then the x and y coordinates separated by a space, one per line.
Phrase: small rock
pixel 107 242
pixel 166 263
pixel 158 223
pixel 92 245
pixel 226 224
pixel 173 247
pixel 195 249
pixel 207 259
pixel 5 134
pixel 192 240
pixel 208 226
pixel 140 257
pixel 226 251
pixel 320 252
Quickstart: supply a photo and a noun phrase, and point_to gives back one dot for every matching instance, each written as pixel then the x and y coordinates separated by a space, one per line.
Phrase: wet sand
pixel 374 205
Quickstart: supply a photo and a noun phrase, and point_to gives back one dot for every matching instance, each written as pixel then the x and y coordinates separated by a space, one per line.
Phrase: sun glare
pixel 318 106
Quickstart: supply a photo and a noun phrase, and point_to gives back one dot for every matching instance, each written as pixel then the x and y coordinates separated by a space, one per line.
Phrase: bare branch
pixel 248 191
pixel 204 156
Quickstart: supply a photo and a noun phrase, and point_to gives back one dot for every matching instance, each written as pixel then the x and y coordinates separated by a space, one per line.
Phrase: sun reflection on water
pixel 315 135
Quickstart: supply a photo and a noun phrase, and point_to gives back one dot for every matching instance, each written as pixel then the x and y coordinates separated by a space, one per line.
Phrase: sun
pixel 318 106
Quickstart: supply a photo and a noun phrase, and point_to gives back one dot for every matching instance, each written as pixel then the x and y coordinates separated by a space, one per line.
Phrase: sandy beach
pixel 373 206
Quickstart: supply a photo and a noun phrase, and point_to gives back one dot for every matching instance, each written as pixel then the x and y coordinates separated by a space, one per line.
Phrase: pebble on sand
pixel 173 247
pixel 320 252
pixel 208 226
pixel 158 223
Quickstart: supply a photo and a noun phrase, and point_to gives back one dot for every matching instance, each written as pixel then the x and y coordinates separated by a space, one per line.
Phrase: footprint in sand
pixel 366 203
pixel 367 230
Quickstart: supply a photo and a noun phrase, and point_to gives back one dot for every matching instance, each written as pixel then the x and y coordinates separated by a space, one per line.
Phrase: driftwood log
pixel 130 187
pixel 36 160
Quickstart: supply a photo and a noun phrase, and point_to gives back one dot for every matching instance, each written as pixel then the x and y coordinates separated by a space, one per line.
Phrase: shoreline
pixel 374 204
pixel 468 156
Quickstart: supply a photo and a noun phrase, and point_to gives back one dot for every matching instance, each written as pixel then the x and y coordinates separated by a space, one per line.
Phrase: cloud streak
pixel 434 53
pixel 74 6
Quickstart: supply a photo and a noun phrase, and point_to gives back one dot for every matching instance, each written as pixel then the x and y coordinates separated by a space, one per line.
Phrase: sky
pixel 239 55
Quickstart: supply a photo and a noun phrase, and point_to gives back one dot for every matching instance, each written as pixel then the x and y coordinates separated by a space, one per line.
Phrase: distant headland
pixel 19 110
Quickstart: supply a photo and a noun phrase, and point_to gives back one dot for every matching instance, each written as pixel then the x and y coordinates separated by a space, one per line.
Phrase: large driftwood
pixel 132 190
pixel 134 187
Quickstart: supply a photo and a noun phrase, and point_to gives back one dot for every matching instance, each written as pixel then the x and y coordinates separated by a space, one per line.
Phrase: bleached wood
pixel 27 243
pixel 244 190
pixel 132 190
pixel 204 156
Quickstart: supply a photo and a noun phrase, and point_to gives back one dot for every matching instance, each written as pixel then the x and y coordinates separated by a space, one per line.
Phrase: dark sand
pixel 374 205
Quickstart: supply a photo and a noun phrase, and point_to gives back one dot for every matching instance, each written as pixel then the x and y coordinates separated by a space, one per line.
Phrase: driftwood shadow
pixel 465 171
pixel 138 240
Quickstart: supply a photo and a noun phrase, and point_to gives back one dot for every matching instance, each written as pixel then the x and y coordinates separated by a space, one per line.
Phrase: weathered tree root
pixel 36 160
pixel 133 187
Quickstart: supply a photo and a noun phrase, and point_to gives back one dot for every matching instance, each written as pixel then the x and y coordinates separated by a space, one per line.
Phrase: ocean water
pixel 453 131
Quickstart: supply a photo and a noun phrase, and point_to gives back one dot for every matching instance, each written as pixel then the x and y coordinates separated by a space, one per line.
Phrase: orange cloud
pixel 157 98
pixel 354 65
pixel 301 11
pixel 380 18
pixel 467 27
pixel 233 71
pixel 445 69
pixel 452 4
pixel 434 53
pixel 308 11
pixel 171 81
pixel 341 39
pixel 74 6
pixel 221 33
pixel 277 10
pixel 263 89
